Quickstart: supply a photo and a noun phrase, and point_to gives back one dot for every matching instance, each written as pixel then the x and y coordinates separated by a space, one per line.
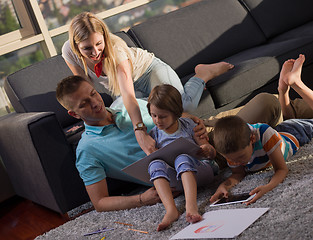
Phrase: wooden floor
pixel 22 219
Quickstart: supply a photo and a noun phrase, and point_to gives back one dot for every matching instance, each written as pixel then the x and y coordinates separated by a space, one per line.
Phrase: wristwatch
pixel 140 126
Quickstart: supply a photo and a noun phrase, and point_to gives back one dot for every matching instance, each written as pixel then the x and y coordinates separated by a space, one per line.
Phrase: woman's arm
pixel 128 94
pixel 281 171
pixel 99 196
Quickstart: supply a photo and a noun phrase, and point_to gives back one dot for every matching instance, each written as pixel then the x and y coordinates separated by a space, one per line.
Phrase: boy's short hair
pixel 231 134
pixel 166 97
pixel 68 86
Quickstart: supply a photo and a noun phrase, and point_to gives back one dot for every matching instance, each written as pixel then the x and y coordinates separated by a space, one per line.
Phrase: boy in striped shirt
pixel 253 147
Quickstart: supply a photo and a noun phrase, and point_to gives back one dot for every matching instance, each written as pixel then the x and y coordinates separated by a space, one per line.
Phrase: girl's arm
pixel 281 171
pixel 128 94
pixel 238 174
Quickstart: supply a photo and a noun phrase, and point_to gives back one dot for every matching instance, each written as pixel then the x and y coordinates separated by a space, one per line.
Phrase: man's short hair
pixel 166 97
pixel 68 86
pixel 231 134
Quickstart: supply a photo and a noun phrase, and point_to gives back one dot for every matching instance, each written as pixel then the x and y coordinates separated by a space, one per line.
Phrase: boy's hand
pixel 260 191
pixel 220 193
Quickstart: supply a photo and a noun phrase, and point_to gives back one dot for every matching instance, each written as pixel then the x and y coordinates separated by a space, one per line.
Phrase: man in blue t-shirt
pixel 108 144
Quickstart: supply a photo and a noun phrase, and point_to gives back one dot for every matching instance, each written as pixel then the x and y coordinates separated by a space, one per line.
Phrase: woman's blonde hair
pixel 80 29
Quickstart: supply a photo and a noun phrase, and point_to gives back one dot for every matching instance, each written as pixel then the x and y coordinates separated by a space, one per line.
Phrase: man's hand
pixel 199 130
pixel 150 197
pixel 145 141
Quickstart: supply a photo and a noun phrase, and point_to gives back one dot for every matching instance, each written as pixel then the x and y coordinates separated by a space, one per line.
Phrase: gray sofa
pixel 256 36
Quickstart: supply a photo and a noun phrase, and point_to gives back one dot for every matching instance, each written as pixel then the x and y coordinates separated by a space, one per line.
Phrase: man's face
pixel 87 104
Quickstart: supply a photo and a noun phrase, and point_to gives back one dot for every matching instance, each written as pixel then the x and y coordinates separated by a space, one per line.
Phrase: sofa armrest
pixel 40 162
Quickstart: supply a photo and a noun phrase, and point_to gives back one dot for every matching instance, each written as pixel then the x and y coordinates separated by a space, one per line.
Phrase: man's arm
pixel 99 196
pixel 238 174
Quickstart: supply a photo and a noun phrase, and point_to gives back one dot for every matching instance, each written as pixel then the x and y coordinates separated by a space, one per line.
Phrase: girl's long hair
pixel 80 29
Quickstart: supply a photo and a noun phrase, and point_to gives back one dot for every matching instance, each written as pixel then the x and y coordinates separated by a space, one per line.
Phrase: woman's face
pixel 92 48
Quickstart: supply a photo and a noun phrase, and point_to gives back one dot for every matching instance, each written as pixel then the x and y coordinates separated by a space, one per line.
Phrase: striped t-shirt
pixel 267 140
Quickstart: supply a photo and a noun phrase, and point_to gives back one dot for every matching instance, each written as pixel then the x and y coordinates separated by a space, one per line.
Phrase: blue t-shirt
pixel 104 151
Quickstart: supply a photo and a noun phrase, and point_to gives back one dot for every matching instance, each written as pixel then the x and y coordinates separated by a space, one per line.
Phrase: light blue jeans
pixel 183 163
pixel 160 73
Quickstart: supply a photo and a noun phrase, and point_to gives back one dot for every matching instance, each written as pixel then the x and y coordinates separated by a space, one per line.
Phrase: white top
pixel 140 59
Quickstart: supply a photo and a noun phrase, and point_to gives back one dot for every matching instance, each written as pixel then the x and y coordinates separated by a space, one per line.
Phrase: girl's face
pixel 92 48
pixel 163 119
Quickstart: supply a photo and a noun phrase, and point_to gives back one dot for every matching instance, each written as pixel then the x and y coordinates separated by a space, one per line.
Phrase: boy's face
pixel 87 104
pixel 242 157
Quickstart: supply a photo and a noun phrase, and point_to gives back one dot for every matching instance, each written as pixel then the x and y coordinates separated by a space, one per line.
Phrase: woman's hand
pixel 145 141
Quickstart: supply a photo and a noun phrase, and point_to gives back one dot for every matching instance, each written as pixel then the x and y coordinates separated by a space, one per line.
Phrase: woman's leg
pixel 263 108
pixel 158 171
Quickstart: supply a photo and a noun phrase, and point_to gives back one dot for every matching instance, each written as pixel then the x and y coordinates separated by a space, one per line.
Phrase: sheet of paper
pixel 223 223
pixel 168 154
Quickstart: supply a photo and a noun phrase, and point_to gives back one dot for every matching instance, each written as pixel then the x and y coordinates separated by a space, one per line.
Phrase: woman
pixel 130 72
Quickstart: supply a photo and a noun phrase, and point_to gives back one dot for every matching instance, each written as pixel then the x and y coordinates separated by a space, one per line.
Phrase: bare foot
pixel 167 220
pixel 285 70
pixel 295 74
pixel 193 218
pixel 208 71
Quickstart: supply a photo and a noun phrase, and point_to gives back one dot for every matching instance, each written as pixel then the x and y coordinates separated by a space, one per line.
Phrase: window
pixel 32 30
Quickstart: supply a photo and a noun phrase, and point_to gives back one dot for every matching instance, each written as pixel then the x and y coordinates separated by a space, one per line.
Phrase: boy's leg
pixel 158 171
pixel 301 109
pixel 264 108
pixel 302 129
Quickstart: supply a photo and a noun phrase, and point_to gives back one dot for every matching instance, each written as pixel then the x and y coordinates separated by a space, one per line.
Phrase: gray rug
pixel 290 215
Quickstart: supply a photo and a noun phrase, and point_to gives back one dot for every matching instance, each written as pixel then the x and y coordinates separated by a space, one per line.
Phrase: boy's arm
pixel 99 196
pixel 238 174
pixel 281 171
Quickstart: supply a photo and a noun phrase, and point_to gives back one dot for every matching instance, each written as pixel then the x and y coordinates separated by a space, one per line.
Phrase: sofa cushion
pixel 32 89
pixel 277 16
pixel 255 68
pixel 196 34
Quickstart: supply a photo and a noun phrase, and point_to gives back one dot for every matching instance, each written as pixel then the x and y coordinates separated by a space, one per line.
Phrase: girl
pixel 165 107
pixel 93 51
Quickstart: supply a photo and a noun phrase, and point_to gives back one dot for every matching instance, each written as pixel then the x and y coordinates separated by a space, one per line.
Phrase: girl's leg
pixel 158 171
pixel 190 189
pixel 165 193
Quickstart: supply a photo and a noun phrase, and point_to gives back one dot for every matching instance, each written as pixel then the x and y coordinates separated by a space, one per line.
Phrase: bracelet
pixel 140 201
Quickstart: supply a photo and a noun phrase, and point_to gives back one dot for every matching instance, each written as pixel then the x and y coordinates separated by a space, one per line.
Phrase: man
pixel 107 145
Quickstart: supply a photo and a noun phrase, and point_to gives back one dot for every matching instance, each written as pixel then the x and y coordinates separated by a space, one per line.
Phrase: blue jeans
pixel 301 129
pixel 159 73
pixel 183 163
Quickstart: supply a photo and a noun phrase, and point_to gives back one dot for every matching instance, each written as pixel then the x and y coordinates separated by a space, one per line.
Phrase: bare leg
pixel 164 190
pixel 190 188
pixel 208 71
pixel 283 90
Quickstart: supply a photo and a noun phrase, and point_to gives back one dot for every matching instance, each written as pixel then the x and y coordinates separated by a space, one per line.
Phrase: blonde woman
pixel 128 72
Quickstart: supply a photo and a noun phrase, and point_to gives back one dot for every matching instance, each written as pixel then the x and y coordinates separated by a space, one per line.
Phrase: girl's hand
pixel 260 191
pixel 145 141
pixel 207 150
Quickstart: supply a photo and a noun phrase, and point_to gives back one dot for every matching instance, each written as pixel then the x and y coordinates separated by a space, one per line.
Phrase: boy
pixel 250 148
